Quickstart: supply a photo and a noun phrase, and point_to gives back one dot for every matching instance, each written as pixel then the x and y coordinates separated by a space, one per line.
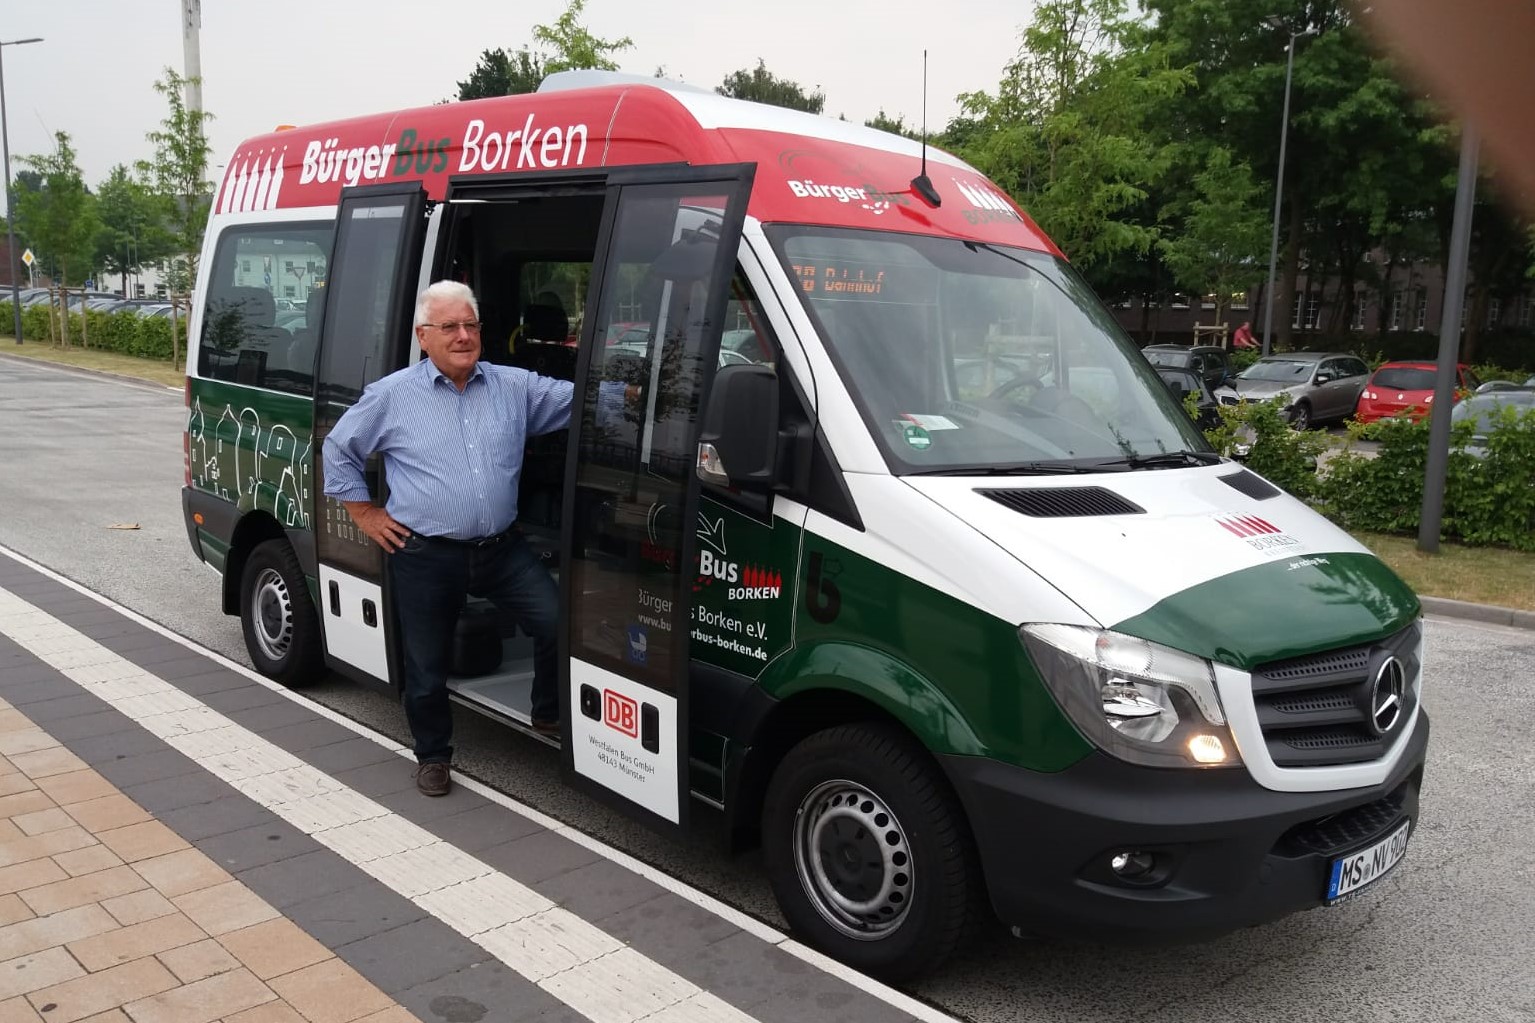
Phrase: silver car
pixel 1317 386
pixel 1487 411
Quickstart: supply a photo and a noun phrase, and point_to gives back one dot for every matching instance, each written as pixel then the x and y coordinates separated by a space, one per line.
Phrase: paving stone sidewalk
pixel 107 915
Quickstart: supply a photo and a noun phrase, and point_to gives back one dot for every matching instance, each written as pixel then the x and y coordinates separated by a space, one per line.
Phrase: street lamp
pixel 10 204
pixel 1284 132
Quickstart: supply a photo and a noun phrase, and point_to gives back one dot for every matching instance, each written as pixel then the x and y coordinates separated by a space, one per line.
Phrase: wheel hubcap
pixel 272 614
pixel 853 859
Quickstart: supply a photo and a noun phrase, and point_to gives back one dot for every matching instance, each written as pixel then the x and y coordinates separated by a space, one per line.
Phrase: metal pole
pixel 1284 134
pixel 10 205
pixel 1437 467
pixel 191 23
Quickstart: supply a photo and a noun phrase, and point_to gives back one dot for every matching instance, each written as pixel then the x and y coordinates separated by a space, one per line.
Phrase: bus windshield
pixel 961 355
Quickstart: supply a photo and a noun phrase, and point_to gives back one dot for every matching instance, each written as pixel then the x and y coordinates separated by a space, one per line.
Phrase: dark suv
pixel 1208 361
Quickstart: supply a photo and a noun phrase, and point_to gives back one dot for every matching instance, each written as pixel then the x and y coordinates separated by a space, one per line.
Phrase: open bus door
pixel 665 256
pixel 365 331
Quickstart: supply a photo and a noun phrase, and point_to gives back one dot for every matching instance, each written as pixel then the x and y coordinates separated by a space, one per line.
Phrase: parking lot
pixel 91 490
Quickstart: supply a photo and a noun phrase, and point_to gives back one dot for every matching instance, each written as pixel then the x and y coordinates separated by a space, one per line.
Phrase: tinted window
pixel 1164 358
pixel 1404 378
pixel 244 339
pixel 1354 368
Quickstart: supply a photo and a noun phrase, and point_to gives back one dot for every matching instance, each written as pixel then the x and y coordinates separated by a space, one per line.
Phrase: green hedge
pixel 1488 501
pixel 123 332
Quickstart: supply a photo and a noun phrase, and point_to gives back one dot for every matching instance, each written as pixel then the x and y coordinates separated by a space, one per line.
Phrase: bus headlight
pixel 1139 701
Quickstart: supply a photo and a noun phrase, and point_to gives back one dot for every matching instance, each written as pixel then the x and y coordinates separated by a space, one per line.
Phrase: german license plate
pixel 1356 870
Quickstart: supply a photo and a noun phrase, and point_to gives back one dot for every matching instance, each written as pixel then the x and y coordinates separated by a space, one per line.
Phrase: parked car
pixel 1406 389
pixel 1487 409
pixel 91 299
pixel 1317 386
pixel 25 297
pixel 1210 362
pixel 1183 382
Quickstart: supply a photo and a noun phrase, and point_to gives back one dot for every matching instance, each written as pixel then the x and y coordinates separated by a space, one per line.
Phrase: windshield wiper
pixel 1015 469
pixel 1166 459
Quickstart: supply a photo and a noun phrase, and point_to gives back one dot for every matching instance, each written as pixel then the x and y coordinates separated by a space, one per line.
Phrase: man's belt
pixel 479 541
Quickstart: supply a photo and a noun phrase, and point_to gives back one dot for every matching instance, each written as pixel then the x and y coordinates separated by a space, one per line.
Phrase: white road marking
pixel 113 678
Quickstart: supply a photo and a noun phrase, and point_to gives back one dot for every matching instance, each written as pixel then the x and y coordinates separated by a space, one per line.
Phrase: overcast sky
pixel 302 61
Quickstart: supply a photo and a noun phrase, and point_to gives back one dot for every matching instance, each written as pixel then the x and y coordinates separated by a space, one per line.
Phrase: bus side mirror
pixel 738 445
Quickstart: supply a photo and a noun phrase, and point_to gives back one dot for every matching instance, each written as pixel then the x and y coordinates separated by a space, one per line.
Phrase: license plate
pixel 1356 870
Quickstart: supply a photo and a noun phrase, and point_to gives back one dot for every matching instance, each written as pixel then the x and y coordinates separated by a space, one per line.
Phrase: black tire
pixel 874 806
pixel 1300 419
pixel 282 631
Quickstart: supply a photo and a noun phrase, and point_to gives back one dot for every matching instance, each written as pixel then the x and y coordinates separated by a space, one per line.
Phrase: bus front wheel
pixel 868 852
pixel 282 633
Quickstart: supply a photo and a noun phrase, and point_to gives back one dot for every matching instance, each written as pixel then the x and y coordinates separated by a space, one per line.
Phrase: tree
pixel 762 86
pixel 178 174
pixel 59 217
pixel 132 225
pixel 1066 132
pixel 1225 232
pixel 573 46
pixel 894 125
pixel 503 73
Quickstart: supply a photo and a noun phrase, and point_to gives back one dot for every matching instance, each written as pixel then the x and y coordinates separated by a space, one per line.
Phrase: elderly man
pixel 451 431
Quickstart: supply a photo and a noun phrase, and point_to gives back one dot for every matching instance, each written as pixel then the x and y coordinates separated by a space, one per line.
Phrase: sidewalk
pixel 182 842
pixel 105 911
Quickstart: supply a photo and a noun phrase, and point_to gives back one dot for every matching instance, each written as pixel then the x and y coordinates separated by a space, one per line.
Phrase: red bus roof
pixel 810 169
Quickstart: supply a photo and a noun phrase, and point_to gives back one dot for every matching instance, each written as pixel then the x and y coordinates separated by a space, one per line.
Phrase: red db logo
pixel 620 713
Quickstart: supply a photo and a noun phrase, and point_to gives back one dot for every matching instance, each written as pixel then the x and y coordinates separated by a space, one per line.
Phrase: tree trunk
pixel 1476 315
pixel 1383 296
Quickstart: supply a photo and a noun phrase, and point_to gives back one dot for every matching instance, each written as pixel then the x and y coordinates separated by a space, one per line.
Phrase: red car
pixel 1406 389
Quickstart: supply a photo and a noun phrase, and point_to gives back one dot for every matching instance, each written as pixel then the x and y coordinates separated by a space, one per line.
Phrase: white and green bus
pixel 906 561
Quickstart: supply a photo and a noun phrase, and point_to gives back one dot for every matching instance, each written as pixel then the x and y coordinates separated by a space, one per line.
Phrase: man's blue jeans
pixel 431 579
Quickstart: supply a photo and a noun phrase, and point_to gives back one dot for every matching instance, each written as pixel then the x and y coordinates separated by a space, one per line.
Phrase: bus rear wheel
pixel 282 632
pixel 868 852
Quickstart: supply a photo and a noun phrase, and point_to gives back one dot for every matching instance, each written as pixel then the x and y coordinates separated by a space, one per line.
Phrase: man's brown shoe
pixel 433 779
pixel 549 729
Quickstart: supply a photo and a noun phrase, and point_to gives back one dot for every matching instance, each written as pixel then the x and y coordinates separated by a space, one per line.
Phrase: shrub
pixel 1259 433
pixel 1488 500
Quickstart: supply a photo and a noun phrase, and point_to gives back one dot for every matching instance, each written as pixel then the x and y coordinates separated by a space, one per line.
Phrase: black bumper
pixel 1229 853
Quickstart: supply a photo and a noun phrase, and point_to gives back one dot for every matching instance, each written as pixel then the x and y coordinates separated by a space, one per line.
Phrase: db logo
pixel 620 713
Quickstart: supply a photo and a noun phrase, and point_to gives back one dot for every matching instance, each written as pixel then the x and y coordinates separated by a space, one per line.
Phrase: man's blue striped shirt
pixel 452 458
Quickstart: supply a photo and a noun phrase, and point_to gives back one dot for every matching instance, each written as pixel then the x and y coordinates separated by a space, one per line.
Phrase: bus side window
pixel 250 334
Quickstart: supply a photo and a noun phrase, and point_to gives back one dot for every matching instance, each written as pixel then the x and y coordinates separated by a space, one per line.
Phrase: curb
pixel 68 368
pixel 1489 613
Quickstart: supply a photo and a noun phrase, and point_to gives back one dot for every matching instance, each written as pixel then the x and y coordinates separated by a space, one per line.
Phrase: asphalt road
pixel 1447 936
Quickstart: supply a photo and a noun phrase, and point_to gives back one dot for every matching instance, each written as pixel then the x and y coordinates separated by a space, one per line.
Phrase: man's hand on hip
pixel 377 523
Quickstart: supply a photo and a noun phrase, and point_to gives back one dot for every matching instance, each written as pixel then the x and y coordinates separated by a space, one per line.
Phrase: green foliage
pixel 1259 433
pixel 573 46
pixel 123 332
pixel 1241 358
pixel 1220 249
pixel 1487 501
pixel 132 229
pixel 1067 131
pixel 894 125
pixel 58 218
pixel 761 86
pixel 178 174
pixel 503 73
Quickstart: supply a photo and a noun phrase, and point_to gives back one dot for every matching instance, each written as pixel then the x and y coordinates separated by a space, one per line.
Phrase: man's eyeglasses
pixel 452 326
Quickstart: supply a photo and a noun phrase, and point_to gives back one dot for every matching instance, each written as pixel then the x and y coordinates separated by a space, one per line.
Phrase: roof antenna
pixel 921 184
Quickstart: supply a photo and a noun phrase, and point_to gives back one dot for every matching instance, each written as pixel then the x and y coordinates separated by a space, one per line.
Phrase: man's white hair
pixel 444 291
